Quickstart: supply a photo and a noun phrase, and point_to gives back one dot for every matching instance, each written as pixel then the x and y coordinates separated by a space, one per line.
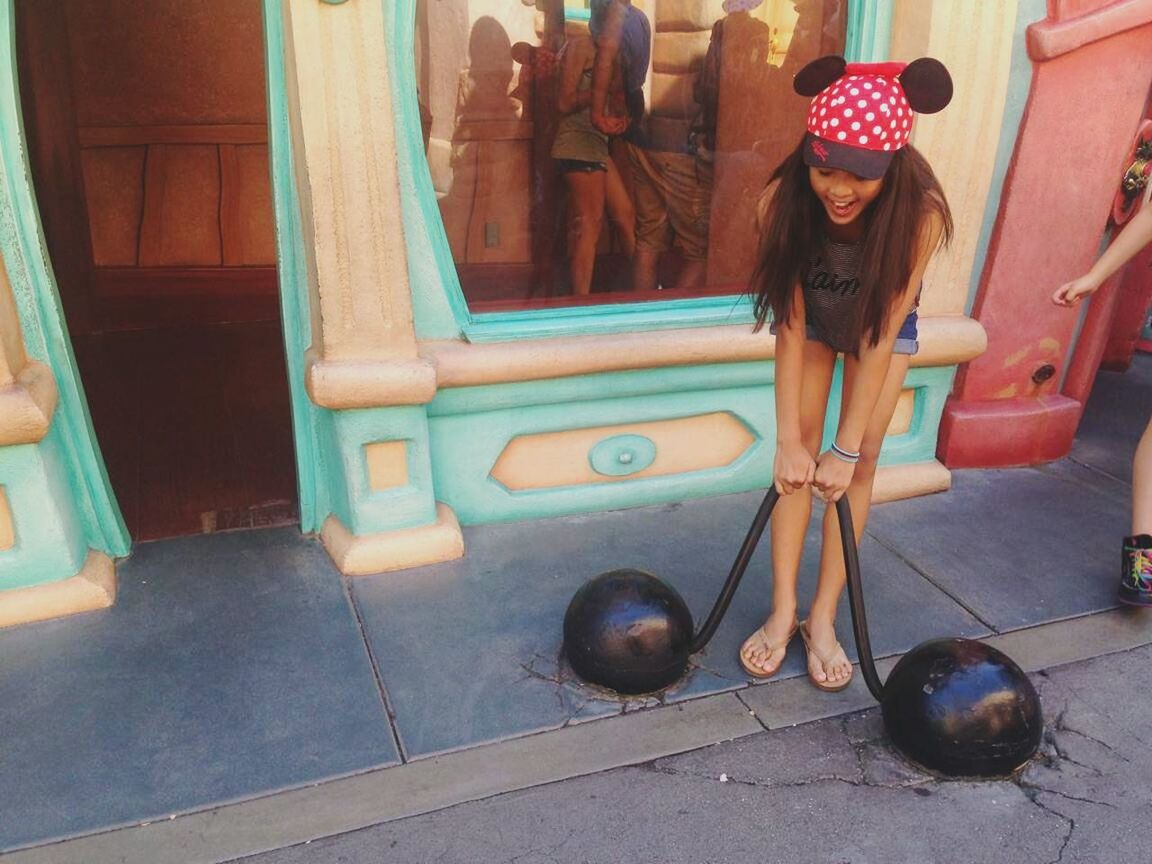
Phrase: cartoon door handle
pixel 1136 176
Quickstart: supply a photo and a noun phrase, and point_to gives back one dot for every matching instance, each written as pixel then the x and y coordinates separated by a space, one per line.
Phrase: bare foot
pixel 828 666
pixel 764 651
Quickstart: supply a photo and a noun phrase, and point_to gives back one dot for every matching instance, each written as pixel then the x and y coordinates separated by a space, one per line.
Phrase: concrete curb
pixel 335 807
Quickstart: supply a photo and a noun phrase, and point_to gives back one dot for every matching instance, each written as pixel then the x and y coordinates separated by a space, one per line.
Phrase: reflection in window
pixel 541 207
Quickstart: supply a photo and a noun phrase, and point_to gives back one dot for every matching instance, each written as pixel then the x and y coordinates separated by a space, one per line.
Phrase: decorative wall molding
pixel 368 383
pixel 944 340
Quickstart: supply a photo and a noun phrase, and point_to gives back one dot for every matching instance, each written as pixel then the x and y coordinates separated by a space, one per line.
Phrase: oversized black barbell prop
pixel 955 706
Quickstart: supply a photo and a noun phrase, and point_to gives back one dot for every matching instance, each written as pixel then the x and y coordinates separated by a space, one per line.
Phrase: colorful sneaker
pixel 1136 571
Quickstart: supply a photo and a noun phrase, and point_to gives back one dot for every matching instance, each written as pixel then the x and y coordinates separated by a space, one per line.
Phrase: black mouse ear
pixel 819 74
pixel 927 85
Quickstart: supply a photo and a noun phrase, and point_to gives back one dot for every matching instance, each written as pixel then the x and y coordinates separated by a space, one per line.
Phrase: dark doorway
pixel 147 136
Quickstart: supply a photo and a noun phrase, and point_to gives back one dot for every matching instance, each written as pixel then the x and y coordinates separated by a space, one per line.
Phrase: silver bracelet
pixel 845 455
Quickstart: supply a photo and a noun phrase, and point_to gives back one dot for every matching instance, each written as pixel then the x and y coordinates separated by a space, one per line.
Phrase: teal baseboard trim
pixel 472 427
pixel 50 541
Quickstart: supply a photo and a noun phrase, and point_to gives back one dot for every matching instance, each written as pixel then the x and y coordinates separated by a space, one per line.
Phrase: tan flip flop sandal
pixel 781 647
pixel 821 685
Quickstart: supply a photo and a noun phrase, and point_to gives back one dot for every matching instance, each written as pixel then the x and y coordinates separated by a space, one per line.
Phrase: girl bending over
pixel 850 220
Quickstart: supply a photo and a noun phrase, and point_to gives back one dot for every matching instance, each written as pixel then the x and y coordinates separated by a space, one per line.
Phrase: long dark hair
pixel 793 231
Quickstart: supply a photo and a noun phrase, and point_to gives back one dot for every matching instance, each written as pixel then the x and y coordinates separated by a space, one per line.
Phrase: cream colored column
pixel 344 140
pixel 363 352
pixel 973 38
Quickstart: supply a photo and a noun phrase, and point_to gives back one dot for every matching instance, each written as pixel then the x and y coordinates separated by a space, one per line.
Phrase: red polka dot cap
pixel 862 113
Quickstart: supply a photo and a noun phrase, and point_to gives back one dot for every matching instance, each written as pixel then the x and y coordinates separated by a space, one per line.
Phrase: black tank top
pixel 832 294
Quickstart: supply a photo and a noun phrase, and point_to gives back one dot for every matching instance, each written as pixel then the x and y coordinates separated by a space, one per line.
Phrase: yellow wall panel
pixel 902 417
pixel 387 464
pixel 552 459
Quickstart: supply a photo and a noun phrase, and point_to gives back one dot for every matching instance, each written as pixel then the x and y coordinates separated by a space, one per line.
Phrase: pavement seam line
pixel 924 575
pixel 740 696
pixel 1099 471
pixel 377 674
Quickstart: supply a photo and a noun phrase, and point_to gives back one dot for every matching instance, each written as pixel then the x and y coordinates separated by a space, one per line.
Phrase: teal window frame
pixel 868 38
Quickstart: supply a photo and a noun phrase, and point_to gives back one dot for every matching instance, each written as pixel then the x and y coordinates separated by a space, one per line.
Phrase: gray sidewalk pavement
pixel 242 697
pixel 828 792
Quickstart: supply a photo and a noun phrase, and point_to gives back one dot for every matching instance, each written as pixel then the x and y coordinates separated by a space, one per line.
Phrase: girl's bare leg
pixel 585 216
pixel 620 208
pixel 789 523
pixel 822 615
pixel 1142 484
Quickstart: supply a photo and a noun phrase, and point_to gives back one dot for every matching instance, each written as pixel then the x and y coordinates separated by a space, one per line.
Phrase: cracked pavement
pixel 829 792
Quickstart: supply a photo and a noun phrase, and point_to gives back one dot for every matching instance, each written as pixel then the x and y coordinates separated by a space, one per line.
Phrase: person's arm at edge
pixel 1135 236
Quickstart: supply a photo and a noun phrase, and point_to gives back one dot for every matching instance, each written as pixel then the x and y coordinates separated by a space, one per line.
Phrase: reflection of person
pixel 671 188
pixel 484 94
pixel 852 218
pixel 753 45
pixel 581 154
pixel 737 94
pixel 1136 555
pixel 760 115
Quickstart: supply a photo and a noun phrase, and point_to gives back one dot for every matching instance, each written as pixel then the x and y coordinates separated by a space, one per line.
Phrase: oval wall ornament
pixel 622 455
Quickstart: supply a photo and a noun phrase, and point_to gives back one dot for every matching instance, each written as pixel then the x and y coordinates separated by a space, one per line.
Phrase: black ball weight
pixel 628 631
pixel 962 708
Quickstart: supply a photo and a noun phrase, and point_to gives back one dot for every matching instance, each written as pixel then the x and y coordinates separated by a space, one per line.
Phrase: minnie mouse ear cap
pixel 862 113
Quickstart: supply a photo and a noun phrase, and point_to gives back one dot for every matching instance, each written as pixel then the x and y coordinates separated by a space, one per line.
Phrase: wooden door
pixel 151 168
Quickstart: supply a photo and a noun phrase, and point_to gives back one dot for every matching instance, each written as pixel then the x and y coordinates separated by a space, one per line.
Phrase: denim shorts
pixel 906 340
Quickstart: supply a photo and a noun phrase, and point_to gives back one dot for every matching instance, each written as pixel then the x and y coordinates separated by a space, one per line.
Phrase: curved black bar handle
pixel 856 599
pixel 708 629
pixel 851 566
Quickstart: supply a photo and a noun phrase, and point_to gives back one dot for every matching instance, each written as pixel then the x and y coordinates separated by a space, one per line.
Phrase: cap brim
pixel 868 164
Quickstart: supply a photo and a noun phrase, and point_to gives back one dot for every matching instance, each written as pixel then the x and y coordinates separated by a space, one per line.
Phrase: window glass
pixel 547 202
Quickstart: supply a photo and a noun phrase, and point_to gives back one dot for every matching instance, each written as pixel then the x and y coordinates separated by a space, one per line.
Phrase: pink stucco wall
pixel 1083 109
